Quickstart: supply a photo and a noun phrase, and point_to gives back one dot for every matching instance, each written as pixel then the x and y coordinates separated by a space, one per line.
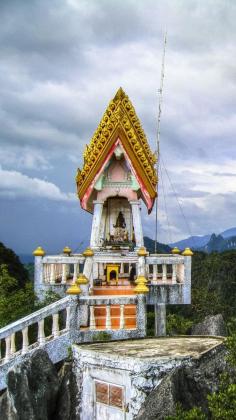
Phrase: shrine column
pixel 97 217
pixel 137 223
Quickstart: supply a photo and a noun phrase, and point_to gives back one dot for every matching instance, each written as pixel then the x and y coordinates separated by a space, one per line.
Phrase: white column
pixel 174 273
pixel 137 222
pixel 52 273
pixel 92 323
pixel 64 272
pixel 55 325
pixel 8 348
pixel 75 273
pixel 101 269
pixel 108 317
pixel 67 318
pixel 25 344
pixel 154 273
pixel 160 320
pixel 122 268
pixel 13 344
pixel 141 266
pixel 122 317
pixel 97 217
pixel 41 333
pixel 164 272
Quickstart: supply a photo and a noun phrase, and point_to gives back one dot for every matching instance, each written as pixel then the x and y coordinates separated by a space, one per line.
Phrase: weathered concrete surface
pixel 189 385
pixel 211 325
pixel 137 365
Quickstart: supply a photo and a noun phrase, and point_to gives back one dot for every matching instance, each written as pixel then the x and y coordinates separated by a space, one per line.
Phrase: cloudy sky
pixel 61 61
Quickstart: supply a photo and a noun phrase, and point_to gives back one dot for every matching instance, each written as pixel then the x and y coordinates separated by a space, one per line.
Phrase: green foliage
pixel 222 404
pixel 50 297
pixel 177 325
pixel 14 302
pixel 15 268
pixel 102 336
pixel 30 269
pixel 194 414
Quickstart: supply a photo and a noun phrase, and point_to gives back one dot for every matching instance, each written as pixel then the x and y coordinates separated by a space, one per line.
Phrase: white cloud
pixel 15 184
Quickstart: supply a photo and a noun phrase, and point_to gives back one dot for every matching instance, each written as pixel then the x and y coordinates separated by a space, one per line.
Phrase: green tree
pixel 14 302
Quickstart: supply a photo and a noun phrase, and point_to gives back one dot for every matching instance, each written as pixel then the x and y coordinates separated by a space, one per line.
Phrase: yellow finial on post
pixel 187 252
pixel 175 250
pixel 39 252
pixel 67 250
pixel 88 252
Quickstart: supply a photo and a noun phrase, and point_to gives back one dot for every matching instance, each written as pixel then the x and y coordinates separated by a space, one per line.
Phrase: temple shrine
pixel 118 174
pixel 105 290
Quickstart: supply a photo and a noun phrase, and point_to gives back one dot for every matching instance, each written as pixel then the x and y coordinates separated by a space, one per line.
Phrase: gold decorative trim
pixel 120 119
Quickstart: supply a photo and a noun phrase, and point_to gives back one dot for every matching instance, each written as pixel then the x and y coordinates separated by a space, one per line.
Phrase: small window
pixel 109 394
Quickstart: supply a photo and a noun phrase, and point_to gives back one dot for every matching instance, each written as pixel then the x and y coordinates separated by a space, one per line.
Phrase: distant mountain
pixel 229 233
pixel 161 248
pixel 210 243
pixel 194 242
pixel 220 244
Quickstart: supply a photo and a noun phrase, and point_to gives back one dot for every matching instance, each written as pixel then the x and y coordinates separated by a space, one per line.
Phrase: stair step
pixel 115 310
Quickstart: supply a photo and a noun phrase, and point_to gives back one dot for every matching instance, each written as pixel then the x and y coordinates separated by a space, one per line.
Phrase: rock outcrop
pixel 36 391
pixel 211 325
pixel 189 385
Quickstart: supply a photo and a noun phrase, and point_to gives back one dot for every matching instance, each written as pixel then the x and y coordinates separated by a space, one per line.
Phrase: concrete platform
pixel 156 348
pixel 132 368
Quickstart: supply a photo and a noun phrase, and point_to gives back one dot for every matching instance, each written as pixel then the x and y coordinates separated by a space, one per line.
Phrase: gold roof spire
pixel 119 121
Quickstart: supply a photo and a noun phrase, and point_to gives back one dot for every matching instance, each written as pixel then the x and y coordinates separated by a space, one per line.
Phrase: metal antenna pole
pixel 157 152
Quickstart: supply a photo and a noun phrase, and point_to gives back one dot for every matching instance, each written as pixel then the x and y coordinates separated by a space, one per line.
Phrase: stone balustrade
pixel 20 328
pixel 165 269
pixel 55 327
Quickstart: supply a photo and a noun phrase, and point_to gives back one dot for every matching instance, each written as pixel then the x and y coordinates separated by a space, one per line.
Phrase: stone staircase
pixel 123 288
pixel 129 317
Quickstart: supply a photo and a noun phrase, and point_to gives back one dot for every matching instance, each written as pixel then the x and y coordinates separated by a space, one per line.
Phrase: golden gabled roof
pixel 119 120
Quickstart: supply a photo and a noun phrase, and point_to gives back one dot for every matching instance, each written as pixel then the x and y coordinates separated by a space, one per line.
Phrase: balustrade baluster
pixel 8 348
pixel 68 318
pixel 164 272
pixel 13 344
pixel 174 273
pixel 108 317
pixel 64 272
pixel 122 317
pixel 75 273
pixel 25 343
pixel 41 333
pixel 154 270
pixel 52 273
pixel 92 323
pixel 55 325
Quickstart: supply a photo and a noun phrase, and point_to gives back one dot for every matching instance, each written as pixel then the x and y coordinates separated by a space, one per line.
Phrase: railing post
pixel 55 325
pixel 25 344
pixel 141 315
pixel 52 273
pixel 8 348
pixel 92 323
pixel 122 317
pixel 75 273
pixel 41 333
pixel 67 318
pixel 108 317
pixel 39 277
pixel 164 272
pixel 13 344
pixel 64 272
pixel 174 273
pixel 154 273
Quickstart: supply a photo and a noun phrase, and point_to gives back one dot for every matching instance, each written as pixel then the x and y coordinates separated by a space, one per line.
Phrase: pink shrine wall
pixel 117 173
